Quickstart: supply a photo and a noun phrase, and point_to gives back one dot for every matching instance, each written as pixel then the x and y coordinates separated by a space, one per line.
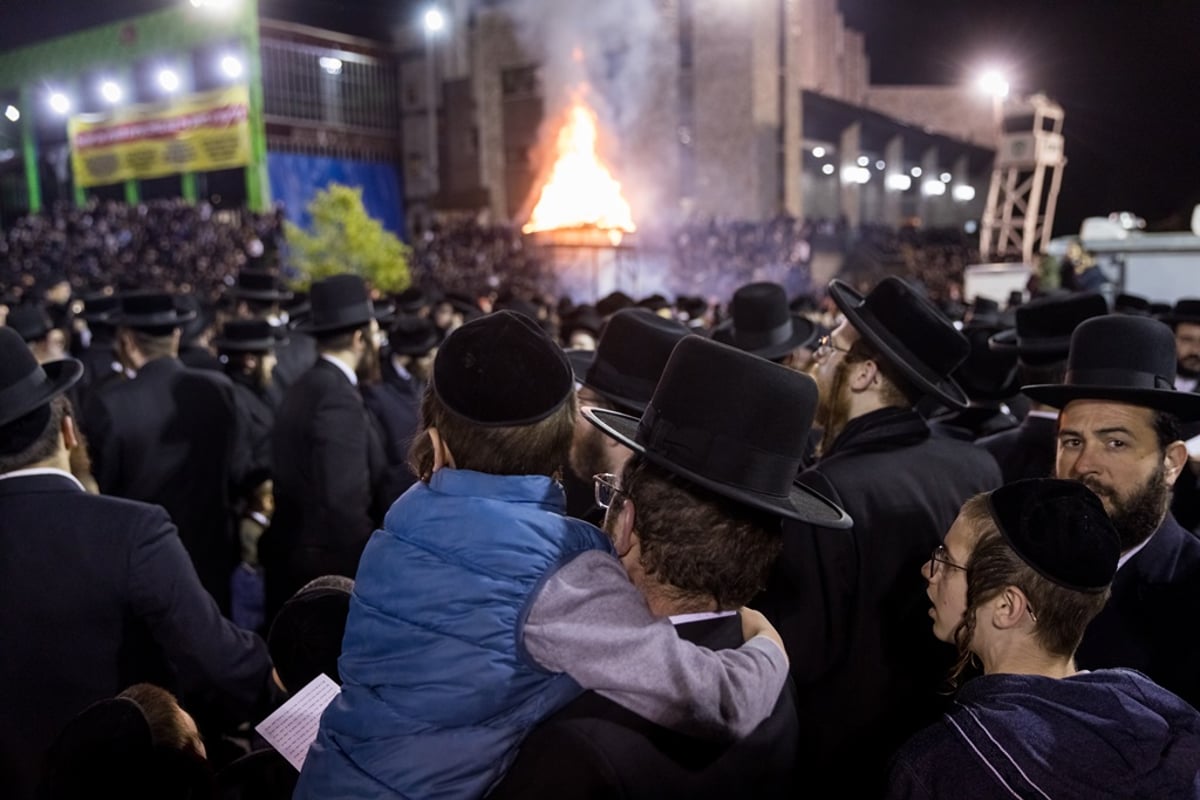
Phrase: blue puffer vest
pixel 438 691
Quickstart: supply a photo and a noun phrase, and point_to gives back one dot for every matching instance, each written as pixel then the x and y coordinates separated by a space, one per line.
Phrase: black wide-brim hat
pixel 987 375
pixel 1123 358
pixel 338 303
pixel 732 423
pixel 26 386
pixel 1186 310
pixel 259 284
pixel 412 336
pixel 1044 326
pixel 761 323
pixel 629 358
pixel 249 336
pixel 910 332
pixel 150 310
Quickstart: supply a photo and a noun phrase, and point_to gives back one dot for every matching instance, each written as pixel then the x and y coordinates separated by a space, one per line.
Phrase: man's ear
pixel 70 437
pixel 623 536
pixel 1174 460
pixel 442 457
pixel 862 375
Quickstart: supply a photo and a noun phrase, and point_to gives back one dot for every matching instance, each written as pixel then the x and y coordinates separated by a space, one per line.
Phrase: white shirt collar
pixel 1043 414
pixel 349 373
pixel 29 473
pixel 1128 554
pixel 683 619
pixel 400 370
pixel 1183 384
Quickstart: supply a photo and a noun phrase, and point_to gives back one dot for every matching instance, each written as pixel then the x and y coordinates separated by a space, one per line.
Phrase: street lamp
pixel 111 92
pixel 993 84
pixel 435 23
pixel 59 103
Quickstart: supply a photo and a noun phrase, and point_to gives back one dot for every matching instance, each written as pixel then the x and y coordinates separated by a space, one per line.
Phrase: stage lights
pixel 59 103
pixel 168 80
pixel 232 67
pixel 111 92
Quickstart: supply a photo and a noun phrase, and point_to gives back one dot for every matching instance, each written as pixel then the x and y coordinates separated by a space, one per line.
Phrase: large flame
pixel 580 191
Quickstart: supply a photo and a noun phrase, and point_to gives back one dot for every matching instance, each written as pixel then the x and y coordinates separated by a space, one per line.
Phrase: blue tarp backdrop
pixel 295 180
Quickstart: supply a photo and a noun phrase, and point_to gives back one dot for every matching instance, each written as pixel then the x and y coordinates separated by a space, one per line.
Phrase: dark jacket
pixel 329 462
pixel 168 437
pixel 1107 735
pixel 972 423
pixel 594 748
pixel 256 419
pixel 396 404
pixel 1026 451
pixel 851 606
pixel 96 594
pixel 1147 624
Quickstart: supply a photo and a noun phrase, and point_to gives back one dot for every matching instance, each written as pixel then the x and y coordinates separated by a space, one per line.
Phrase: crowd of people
pixel 638 548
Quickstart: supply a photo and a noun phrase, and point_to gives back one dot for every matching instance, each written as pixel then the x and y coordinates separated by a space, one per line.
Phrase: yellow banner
pixel 205 131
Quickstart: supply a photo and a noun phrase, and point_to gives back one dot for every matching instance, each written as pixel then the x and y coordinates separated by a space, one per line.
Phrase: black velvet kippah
pixel 1060 529
pixel 305 639
pixel 502 370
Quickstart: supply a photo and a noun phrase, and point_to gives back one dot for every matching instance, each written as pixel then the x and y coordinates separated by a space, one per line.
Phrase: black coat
pixel 256 419
pixel 168 437
pixel 972 423
pixel 594 748
pixel 1149 621
pixel 1026 451
pixel 96 594
pixel 851 605
pixel 329 465
pixel 396 404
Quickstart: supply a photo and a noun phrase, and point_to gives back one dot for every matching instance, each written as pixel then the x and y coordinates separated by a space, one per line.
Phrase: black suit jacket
pixel 396 404
pixel 1149 621
pixel 256 419
pixel 96 594
pixel 329 464
pixel 1027 451
pixel 851 605
pixel 168 437
pixel 594 748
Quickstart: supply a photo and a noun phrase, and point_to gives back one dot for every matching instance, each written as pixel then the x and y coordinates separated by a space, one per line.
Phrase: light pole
pixel 435 22
pixel 995 85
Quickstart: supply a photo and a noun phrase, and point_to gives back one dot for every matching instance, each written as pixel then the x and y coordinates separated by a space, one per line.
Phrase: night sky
pixel 1126 71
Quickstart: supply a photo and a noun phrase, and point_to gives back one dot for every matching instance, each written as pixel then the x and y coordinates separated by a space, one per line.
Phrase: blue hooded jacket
pixel 438 691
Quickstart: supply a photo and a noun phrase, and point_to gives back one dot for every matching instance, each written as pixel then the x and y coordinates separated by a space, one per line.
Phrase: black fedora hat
pixel 584 318
pixel 985 374
pixel 1127 359
pixel 338 303
pixel 732 423
pixel 412 336
pixel 26 386
pixel 1044 326
pixel 150 310
pixel 259 284
pixel 1132 304
pixel 629 358
pixel 247 336
pixel 30 320
pixel 910 332
pixel 100 307
pixel 1186 310
pixel 761 323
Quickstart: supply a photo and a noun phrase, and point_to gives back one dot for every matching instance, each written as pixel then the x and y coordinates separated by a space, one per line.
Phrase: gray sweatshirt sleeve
pixel 590 622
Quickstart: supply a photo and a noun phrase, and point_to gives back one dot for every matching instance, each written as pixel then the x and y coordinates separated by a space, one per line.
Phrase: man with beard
pixel 1119 434
pixel 853 607
pixel 247 351
pixel 619 375
pixel 697 529
pixel 1040 341
pixel 1185 319
pixel 328 456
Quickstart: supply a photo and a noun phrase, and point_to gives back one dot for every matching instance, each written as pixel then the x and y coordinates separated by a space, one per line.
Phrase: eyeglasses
pixel 826 348
pixel 941 556
pixel 606 489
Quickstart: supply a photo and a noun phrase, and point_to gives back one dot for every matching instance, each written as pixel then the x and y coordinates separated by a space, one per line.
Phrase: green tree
pixel 343 238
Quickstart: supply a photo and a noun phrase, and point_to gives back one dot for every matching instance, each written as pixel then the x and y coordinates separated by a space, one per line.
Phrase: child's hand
pixel 755 624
